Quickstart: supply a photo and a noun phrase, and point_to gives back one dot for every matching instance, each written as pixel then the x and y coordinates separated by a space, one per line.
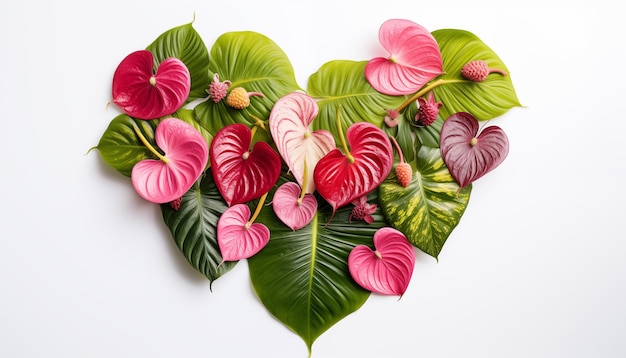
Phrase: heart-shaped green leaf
pixel 252 61
pixel 341 83
pixel 184 43
pixel 430 207
pixel 484 100
pixel 194 227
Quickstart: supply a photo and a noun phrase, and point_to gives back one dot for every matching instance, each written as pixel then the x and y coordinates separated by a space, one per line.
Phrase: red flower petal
pixel 389 268
pixel 289 210
pixel 187 154
pixel 414 59
pixel 142 95
pixel 242 174
pixel 339 181
pixel 468 161
pixel 238 240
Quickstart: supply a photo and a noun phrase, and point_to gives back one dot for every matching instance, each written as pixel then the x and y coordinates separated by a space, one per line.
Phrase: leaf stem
pixel 257 211
pixel 148 145
pixel 342 137
pixel 425 90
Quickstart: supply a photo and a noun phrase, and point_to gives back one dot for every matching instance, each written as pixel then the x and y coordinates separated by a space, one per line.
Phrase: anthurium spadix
pixel 388 268
pixel 171 175
pixel 242 174
pixel 144 94
pixel 414 58
pixel 341 177
pixel 468 154
pixel 289 125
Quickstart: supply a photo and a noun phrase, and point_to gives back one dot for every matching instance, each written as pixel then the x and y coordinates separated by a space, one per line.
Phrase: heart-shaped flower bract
pixel 237 238
pixel 168 178
pixel 242 174
pixel 386 270
pixel 341 178
pixel 467 154
pixel 142 94
pixel 292 209
pixel 414 59
pixel 289 124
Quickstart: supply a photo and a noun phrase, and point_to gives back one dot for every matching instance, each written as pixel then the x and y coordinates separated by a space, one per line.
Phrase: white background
pixel 536 268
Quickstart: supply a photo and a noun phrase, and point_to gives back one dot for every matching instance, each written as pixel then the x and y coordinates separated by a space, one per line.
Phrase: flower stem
pixel 305 180
pixel 343 139
pixel 259 206
pixel 425 90
pixel 148 145
pixel 395 144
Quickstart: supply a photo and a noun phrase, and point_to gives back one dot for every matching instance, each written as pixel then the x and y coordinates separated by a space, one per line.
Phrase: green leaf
pixel 194 227
pixel 120 146
pixel 429 135
pixel 184 43
pixel 302 276
pixel 484 100
pixel 430 207
pixel 254 62
pixel 342 83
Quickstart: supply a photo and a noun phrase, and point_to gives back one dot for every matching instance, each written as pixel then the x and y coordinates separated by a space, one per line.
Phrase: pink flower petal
pixel 187 154
pixel 414 59
pixel 389 268
pixel 236 239
pixel 289 210
pixel 142 95
pixel 289 124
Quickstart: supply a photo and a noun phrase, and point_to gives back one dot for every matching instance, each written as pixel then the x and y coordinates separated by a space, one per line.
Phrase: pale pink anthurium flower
pixel 172 175
pixel 414 59
pixel 292 208
pixel 237 237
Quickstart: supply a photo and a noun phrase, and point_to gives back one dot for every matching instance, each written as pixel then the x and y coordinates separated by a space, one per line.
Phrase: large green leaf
pixel 184 43
pixel 342 83
pixel 120 146
pixel 254 62
pixel 430 207
pixel 484 100
pixel 302 276
pixel 194 227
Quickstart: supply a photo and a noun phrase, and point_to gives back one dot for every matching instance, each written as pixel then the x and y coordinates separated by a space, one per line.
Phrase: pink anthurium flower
pixel 172 175
pixel 142 94
pixel 387 269
pixel 237 237
pixel 292 208
pixel 341 177
pixel 289 124
pixel 242 174
pixel 468 154
pixel 414 58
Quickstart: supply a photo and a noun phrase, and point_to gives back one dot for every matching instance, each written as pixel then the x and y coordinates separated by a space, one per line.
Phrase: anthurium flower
pixel 237 237
pixel 414 58
pixel 468 154
pixel 172 175
pixel 292 208
pixel 387 269
pixel 289 124
pixel 144 94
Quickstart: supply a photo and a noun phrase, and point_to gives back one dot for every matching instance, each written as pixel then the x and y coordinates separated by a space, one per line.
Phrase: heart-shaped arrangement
pixel 210 133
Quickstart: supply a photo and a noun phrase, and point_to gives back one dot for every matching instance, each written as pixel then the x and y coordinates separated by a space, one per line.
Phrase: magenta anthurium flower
pixel 468 154
pixel 144 94
pixel 237 237
pixel 292 208
pixel 172 175
pixel 387 269
pixel 414 59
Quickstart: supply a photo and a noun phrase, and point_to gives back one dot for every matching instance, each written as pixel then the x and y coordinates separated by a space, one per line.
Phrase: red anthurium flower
pixel 142 94
pixel 289 124
pixel 293 209
pixel 414 59
pixel 242 174
pixel 386 270
pixel 341 177
pixel 173 174
pixel 237 237
pixel 467 154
